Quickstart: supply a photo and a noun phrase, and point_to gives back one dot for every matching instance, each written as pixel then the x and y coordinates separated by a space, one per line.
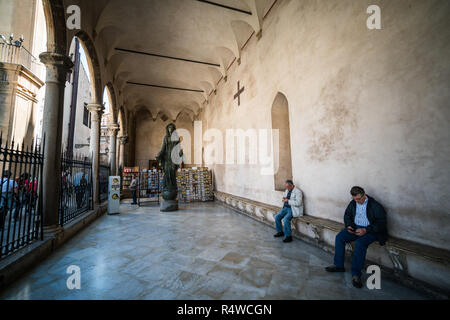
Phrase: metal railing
pixel 20 196
pixel 76 187
pixel 11 53
pixel 103 176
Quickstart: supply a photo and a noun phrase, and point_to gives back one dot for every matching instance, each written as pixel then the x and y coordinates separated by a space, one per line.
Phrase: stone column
pixel 113 129
pixel 58 66
pixel 123 141
pixel 118 155
pixel 96 111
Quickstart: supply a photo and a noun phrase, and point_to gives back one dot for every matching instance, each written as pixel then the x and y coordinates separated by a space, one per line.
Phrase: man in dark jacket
pixel 365 223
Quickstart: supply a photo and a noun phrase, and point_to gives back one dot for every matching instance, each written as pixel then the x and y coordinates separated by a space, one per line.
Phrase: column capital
pixel 56 59
pixel 113 128
pixel 58 66
pixel 123 140
pixel 95 107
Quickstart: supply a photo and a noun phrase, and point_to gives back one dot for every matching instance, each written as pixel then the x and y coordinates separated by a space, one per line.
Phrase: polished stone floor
pixel 203 251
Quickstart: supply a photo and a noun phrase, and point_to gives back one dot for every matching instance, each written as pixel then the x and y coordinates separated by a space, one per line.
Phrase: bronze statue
pixel 170 158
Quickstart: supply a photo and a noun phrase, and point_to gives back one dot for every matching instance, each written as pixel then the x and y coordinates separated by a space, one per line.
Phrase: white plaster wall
pixel 367 107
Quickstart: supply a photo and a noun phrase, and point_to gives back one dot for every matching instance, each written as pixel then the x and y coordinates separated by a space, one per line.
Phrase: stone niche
pixel 415 265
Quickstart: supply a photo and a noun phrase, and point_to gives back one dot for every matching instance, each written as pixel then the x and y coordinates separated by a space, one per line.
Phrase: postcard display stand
pixel 150 184
pixel 194 184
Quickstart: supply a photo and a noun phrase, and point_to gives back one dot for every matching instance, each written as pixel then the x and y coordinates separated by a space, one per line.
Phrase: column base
pixel 168 205
pixel 50 231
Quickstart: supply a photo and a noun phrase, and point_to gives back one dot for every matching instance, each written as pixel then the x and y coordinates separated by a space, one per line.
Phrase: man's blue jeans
pixel 359 256
pixel 286 215
pixel 133 195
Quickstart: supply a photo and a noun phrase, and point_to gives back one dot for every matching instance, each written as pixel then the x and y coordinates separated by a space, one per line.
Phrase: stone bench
pixel 416 265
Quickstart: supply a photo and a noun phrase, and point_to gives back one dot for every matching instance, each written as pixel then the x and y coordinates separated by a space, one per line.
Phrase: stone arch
pixel 55 19
pixel 93 64
pixel 112 98
pixel 282 157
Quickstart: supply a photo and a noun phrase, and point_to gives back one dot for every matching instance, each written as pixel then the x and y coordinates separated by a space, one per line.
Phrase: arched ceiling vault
pixel 167 56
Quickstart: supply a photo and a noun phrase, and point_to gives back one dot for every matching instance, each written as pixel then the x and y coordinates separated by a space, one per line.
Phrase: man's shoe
pixel 333 268
pixel 288 239
pixel 279 234
pixel 357 283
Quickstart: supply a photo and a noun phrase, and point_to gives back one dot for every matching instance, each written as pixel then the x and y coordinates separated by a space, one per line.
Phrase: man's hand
pixel 350 229
pixel 285 199
pixel 360 232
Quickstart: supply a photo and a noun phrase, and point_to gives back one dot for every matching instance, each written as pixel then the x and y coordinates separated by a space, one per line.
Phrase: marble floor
pixel 203 251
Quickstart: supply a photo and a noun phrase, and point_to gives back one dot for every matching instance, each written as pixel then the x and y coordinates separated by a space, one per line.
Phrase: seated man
pixel 292 208
pixel 365 222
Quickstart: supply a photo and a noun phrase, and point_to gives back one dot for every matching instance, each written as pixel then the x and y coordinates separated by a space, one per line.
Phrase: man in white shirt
pixel 292 208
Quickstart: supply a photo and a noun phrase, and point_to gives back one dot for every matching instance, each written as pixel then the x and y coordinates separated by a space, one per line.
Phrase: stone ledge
pixel 415 265
pixel 13 266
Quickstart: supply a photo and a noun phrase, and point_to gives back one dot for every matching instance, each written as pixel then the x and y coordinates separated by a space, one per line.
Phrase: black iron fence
pixel 20 196
pixel 103 177
pixel 76 187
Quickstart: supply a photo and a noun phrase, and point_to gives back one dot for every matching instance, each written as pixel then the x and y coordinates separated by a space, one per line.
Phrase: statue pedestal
pixel 168 205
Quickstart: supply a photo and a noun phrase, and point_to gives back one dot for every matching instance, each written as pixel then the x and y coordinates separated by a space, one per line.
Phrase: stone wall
pixel 366 107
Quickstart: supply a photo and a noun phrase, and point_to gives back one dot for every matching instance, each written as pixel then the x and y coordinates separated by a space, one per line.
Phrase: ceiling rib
pixel 163 87
pixel 226 7
pixel 167 57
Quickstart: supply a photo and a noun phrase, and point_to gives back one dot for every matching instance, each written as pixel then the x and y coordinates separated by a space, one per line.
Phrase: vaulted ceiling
pixel 169 55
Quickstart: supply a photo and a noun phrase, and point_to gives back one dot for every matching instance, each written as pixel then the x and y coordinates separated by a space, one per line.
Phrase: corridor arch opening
pixel 78 94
